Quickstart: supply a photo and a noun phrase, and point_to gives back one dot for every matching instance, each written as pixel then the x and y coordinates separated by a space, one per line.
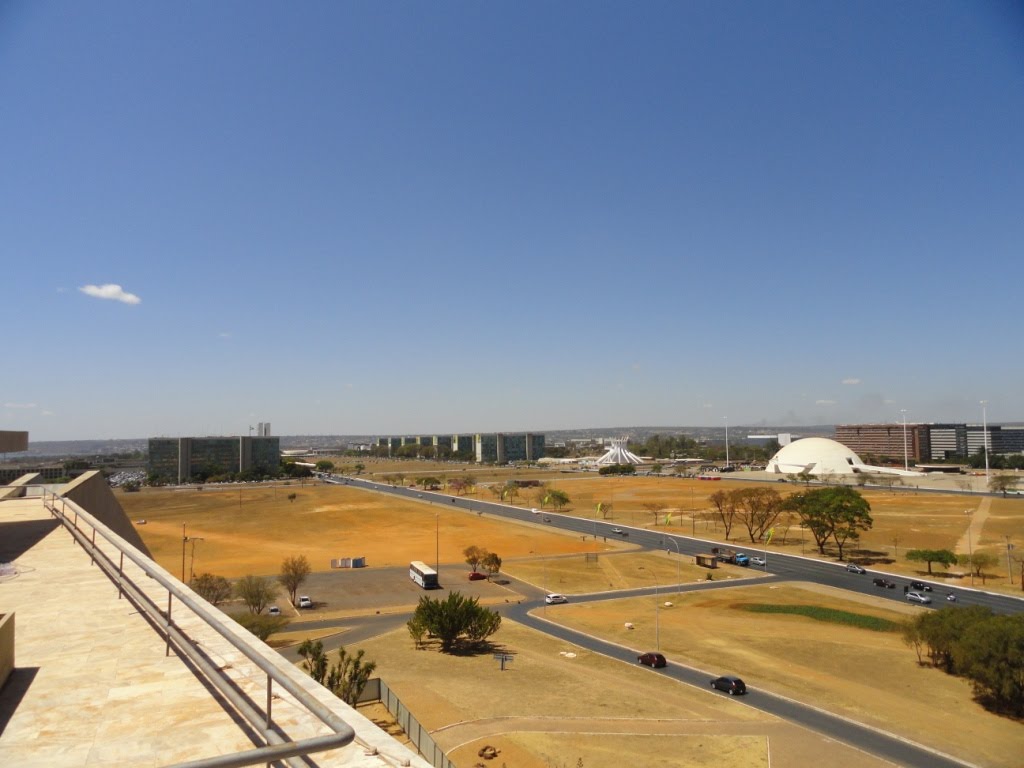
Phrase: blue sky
pixel 432 217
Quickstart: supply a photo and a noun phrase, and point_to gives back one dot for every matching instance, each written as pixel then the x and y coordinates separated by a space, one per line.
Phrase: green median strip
pixel 821 613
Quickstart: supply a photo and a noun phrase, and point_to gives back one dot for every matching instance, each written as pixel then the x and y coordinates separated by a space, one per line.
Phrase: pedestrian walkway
pixel 972 536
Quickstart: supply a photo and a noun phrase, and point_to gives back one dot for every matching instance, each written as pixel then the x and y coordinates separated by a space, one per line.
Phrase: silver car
pixel 917 597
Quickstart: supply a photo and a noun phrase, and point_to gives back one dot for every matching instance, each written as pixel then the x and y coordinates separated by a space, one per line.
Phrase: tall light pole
pixel 184 539
pixel 970 548
pixel 437 542
pixel 906 463
pixel 678 561
pixel 726 440
pixel 984 436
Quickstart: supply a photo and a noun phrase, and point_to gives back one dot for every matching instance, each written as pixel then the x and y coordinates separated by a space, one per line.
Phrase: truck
pixel 731 556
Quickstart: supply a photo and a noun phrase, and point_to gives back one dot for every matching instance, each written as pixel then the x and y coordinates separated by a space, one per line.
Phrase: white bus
pixel 423 575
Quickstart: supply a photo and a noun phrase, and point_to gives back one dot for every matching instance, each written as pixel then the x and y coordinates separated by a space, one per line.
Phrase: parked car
pixel 274 611
pixel 917 597
pixel 854 568
pixel 758 561
pixel 554 598
pixel 655 660
pixel 477 576
pixel 920 586
pixel 305 602
pixel 731 685
pixel 884 583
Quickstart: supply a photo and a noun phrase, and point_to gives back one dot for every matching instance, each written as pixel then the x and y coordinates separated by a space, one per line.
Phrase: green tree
pixel 977 562
pixel 213 589
pixel 838 513
pixel 724 510
pixel 558 499
pixel 255 591
pixel 325 465
pixel 991 655
pixel 657 468
pixel 757 509
pixel 456 620
pixel 359 467
pixel 346 678
pixel 944 557
pixel 261 626
pixel 294 572
pixel 510 491
pixel 491 563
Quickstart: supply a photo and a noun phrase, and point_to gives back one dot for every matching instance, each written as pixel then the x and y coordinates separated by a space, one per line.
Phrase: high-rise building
pixel 179 459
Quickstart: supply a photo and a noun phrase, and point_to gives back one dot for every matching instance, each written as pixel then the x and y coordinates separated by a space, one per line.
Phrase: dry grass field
pixel 586 706
pixel 252 528
pixel 867 675
pixel 556 704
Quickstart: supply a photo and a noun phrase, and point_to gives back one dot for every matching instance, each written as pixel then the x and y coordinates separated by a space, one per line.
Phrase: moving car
pixel 917 597
pixel 758 561
pixel 619 532
pixel 731 685
pixel 305 602
pixel 274 611
pixel 477 576
pixel 920 586
pixel 535 511
pixel 854 568
pixel 884 583
pixel 654 660
pixel 554 598
pixel 742 558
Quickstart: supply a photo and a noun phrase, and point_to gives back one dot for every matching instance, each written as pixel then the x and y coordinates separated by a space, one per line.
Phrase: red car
pixel 477 576
pixel 655 660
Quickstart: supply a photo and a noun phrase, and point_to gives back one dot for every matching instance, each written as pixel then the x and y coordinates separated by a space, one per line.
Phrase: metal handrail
pixel 278 748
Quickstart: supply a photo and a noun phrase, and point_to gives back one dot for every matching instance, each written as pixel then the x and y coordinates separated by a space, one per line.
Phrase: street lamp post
pixel 678 561
pixel 906 462
pixel 726 440
pixel 437 542
pixel 970 547
pixel 984 436
pixel 184 539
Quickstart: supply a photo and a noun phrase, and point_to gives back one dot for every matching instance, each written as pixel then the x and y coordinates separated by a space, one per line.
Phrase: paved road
pixel 782 568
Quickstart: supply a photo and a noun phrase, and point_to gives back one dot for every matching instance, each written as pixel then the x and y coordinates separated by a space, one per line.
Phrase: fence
pixel 377 690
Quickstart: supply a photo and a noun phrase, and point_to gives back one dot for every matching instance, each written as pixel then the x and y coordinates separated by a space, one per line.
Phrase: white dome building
pixel 820 456
pixel 816 456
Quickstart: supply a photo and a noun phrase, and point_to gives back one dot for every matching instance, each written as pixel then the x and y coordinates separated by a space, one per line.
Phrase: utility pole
pixel 1009 548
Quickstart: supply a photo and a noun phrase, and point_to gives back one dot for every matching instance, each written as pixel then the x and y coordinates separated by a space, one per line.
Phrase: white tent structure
pixel 821 456
pixel 619 454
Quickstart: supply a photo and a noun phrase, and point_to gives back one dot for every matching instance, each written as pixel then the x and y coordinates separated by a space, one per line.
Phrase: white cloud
pixel 19 405
pixel 851 381
pixel 824 402
pixel 110 291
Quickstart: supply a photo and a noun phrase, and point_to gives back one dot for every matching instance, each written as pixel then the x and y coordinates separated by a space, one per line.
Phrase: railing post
pixel 92 552
pixel 167 650
pixel 120 578
pixel 270 699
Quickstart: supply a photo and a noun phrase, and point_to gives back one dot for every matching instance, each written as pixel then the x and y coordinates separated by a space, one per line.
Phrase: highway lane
pixel 783 565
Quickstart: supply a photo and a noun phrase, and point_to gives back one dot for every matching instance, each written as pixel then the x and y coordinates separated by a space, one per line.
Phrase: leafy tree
pixel 346 678
pixel 944 557
pixel 418 631
pixel 977 563
pixel 473 555
pixel 912 636
pixel 359 467
pixel 213 589
pixel 292 496
pixel 470 485
pixel 255 591
pixel 262 626
pixel 1002 483
pixel 656 468
pixel 837 513
pixel 558 499
pixel 428 482
pixel 604 509
pixel 804 477
pixel 456 620
pixel 991 655
pixel 325 465
pixel 132 486
pixel 294 572
pixel 491 563
pixel 510 491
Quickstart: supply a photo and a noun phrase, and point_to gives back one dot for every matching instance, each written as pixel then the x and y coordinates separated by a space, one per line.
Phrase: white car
pixel 760 561
pixel 535 511
pixel 274 611
pixel 305 602
pixel 555 598
pixel 917 597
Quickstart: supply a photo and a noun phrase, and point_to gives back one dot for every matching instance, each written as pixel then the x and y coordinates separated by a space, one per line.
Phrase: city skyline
pixel 358 219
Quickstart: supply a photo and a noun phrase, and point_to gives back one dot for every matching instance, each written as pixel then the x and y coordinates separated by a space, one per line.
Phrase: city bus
pixel 423 575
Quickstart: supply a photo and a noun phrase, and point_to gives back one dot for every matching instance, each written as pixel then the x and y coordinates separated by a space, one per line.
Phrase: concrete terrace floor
pixel 92 685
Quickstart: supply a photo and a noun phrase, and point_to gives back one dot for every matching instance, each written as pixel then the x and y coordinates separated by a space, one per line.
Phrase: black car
pixel 731 685
pixel 920 586
pixel 884 583
pixel 655 660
